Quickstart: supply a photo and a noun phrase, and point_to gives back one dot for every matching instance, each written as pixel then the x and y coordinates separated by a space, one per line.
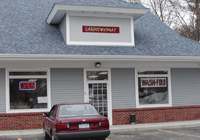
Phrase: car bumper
pixel 84 134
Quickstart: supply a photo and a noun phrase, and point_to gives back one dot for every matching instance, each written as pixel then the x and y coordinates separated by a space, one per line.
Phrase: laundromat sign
pixel 100 29
pixel 153 82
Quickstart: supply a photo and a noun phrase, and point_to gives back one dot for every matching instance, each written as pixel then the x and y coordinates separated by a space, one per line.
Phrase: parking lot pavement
pixel 191 133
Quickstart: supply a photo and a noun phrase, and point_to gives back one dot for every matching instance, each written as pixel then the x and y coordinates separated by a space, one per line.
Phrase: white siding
pixel 123 88
pixel 185 86
pixel 67 85
pixel 62 27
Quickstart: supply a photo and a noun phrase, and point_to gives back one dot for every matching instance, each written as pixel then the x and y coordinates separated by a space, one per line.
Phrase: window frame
pixel 53 111
pixel 8 77
pixel 153 75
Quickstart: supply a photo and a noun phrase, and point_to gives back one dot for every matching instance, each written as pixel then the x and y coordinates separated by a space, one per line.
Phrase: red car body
pixel 89 125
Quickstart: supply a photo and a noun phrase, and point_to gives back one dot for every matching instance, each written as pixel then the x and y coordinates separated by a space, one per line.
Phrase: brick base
pixel 156 115
pixel 21 121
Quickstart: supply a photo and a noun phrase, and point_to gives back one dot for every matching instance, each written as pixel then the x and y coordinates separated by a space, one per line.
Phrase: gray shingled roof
pixel 24 31
pixel 104 3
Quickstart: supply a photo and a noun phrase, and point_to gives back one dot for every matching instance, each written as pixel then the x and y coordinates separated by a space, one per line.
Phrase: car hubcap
pixel 52 138
pixel 44 133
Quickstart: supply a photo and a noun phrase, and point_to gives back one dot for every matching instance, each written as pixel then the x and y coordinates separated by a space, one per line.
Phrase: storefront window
pixel 153 87
pixel 97 75
pixel 153 90
pixel 28 90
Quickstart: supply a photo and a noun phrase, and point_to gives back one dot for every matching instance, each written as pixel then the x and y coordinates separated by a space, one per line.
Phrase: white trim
pixel 7 92
pixel 170 87
pixel 8 110
pixel 67 29
pixel 59 10
pixel 102 15
pixel 84 43
pixel 132 32
pixel 110 116
pixel 15 57
pixel 109 92
pixel 153 75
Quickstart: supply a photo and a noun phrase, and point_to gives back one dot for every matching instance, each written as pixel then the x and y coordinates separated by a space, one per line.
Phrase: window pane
pixel 27 73
pixel 153 90
pixel 77 110
pixel 153 72
pixel 28 93
pixel 97 75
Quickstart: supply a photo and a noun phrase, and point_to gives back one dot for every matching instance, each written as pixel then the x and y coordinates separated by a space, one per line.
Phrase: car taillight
pixel 104 123
pixel 61 127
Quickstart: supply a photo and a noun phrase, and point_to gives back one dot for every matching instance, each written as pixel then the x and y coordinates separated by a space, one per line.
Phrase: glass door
pixel 97 90
pixel 98 97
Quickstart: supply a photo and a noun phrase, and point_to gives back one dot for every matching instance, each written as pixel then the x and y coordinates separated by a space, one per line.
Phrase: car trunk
pixel 86 123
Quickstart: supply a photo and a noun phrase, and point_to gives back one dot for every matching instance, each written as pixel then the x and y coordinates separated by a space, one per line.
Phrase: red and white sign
pixel 153 82
pixel 100 29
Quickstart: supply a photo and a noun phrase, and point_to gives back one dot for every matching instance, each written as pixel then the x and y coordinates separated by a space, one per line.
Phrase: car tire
pixel 46 136
pixel 53 137
pixel 101 138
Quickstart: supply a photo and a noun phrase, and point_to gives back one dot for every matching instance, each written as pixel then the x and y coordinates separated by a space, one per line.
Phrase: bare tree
pixel 191 28
pixel 181 15
pixel 161 8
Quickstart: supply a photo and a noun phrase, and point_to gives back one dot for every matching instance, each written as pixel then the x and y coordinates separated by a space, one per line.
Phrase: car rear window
pixel 77 110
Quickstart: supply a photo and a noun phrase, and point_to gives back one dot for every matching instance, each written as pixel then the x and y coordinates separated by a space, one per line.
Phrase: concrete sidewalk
pixel 153 126
pixel 118 128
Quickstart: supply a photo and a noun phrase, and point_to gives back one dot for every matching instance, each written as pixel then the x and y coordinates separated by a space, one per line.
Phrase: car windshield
pixel 77 110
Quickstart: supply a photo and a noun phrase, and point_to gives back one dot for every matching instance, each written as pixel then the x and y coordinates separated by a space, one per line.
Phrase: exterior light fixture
pixel 97 65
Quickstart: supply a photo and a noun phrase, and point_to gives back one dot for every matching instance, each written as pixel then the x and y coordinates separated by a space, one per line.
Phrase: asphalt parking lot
pixel 192 133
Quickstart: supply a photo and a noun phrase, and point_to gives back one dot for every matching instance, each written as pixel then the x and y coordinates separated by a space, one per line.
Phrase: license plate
pixel 84 126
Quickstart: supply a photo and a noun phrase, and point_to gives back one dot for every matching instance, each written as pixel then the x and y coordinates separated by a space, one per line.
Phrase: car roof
pixel 71 103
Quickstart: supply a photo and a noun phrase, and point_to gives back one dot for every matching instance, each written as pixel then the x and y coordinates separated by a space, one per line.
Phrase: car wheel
pixel 101 138
pixel 46 136
pixel 53 137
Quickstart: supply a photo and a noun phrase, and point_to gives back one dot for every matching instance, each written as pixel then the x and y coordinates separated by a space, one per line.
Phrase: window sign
pixel 28 91
pixel 153 82
pixel 27 85
pixel 42 99
pixel 153 88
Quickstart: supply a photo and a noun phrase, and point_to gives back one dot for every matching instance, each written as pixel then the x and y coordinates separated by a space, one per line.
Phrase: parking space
pixel 157 134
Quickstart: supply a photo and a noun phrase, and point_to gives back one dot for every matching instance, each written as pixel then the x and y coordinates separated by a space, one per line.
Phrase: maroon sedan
pixel 75 120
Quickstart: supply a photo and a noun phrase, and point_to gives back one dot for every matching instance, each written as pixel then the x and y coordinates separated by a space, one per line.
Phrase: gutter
pixel 53 57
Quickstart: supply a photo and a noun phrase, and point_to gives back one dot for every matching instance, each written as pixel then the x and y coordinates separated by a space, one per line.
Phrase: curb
pixel 154 126
pixel 117 128
pixel 21 132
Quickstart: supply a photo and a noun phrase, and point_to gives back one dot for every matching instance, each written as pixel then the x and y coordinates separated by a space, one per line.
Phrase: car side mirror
pixel 45 115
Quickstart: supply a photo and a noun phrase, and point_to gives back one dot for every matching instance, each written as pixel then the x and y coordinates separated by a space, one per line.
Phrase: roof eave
pixel 59 10
pixel 54 57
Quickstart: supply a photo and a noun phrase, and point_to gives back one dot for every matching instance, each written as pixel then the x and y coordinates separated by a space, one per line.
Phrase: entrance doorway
pixel 98 97
pixel 98 91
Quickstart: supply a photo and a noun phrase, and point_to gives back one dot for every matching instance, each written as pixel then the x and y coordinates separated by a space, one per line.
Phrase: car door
pixel 51 118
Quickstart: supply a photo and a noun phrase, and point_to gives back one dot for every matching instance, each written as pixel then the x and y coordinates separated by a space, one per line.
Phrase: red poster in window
pixel 100 29
pixel 153 82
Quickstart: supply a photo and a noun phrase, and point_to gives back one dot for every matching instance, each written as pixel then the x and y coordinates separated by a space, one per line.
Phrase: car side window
pixel 52 111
